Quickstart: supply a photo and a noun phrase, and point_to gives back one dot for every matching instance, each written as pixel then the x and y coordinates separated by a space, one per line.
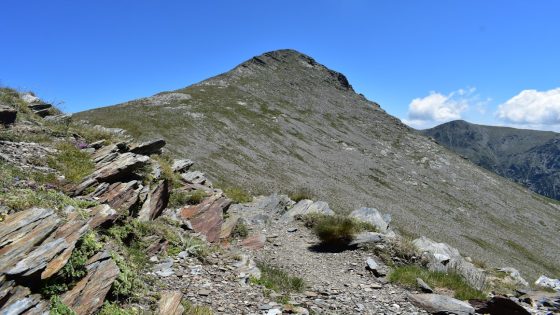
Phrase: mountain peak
pixel 294 64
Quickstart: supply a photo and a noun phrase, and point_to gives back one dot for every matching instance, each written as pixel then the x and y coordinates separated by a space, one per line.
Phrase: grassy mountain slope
pixel 281 121
pixel 529 157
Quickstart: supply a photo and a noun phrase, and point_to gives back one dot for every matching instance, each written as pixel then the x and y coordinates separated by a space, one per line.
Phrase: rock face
pixel 170 303
pixel 441 304
pixel 207 217
pixel 148 148
pixel 302 125
pixel 156 201
pixel 306 206
pixel 528 157
pixel 88 294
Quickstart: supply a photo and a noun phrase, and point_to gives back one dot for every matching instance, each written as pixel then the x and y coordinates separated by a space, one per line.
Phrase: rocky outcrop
pixel 499 305
pixel 120 195
pixel 262 208
pixel 19 300
pixel 148 148
pixel 156 202
pixel 7 115
pixel 181 165
pixel 88 294
pixel 306 206
pixel 441 304
pixel 442 257
pixel 207 217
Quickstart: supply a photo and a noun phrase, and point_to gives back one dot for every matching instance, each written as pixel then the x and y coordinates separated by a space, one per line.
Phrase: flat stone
pixel 371 216
pixel 306 206
pixel 181 166
pixel 254 242
pixel 499 305
pixel 207 217
pixel 149 147
pixel 441 304
pixel 423 286
pixel 204 292
pixel 121 195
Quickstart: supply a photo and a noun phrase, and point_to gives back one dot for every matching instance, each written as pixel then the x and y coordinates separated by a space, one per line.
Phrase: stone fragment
pixel 196 177
pixel 120 168
pixel 441 304
pixel 377 269
pixel 228 226
pixel 156 202
pixel 149 147
pixel 87 296
pixel 102 215
pixel 423 286
pixel 546 282
pixel 367 238
pixel 39 106
pixel 254 242
pixel 170 303
pixel 19 300
pixel 499 305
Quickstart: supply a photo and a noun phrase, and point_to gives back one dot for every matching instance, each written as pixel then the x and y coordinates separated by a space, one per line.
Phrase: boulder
pixel 515 275
pixel 19 300
pixel 262 208
pixel 148 148
pixel 7 115
pixel 170 303
pixel 155 202
pixel 306 206
pixel 87 296
pixel 499 305
pixel 39 106
pixel 43 112
pixel 228 225
pixel 196 177
pixel 441 304
pixel 120 168
pixel 442 257
pixel 181 166
pixel 367 238
pixel 372 216
pixel 546 282
pixel 207 217
pixel 377 269
pixel 254 242
pixel 101 215
pixel 29 98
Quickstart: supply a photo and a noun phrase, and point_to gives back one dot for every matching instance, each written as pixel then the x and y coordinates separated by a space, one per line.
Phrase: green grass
pixel 406 275
pixel 554 269
pixel 191 309
pixel 276 279
pixel 240 230
pixel 180 198
pixel 301 194
pixel 238 194
pixel 73 163
pixel 25 198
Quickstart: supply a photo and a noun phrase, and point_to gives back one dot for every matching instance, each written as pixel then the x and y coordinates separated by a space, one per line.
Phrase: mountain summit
pixel 281 121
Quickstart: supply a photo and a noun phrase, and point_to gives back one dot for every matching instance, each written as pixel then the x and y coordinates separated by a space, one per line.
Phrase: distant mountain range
pixel 282 121
pixel 529 157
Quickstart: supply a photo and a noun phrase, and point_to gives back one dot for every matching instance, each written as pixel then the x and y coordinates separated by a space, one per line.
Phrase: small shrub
pixel 406 275
pixel 73 163
pixel 334 230
pixel 128 283
pixel 301 194
pixel 166 164
pixel 59 308
pixel 113 309
pixel 278 280
pixel 240 230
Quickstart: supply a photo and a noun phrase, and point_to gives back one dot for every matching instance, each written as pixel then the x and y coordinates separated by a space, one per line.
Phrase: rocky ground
pixel 93 222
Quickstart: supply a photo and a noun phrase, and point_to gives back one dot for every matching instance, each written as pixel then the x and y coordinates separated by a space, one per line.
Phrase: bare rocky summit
pixel 282 121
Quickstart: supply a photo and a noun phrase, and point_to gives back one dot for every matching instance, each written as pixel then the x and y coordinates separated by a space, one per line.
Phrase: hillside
pixel 281 121
pixel 529 157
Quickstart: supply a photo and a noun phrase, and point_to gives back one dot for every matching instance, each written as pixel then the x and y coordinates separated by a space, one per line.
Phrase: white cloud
pixel 439 108
pixel 532 108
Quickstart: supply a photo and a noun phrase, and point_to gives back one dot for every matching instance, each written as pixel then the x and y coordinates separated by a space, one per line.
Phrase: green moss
pixel 73 163
pixel 59 308
pixel 406 275
pixel 276 279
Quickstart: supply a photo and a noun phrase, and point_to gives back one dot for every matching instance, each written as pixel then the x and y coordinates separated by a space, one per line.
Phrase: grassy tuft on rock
pixel 406 275
pixel 73 163
pixel 276 279
pixel 335 230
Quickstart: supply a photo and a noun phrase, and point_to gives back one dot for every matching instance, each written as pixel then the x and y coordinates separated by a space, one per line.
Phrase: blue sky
pixel 492 62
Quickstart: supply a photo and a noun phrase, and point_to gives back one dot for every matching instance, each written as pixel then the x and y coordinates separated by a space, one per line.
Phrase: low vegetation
pixel 301 194
pixel 71 162
pixel 280 281
pixel 180 198
pixel 406 275
pixel 238 194
pixel 114 309
pixel 335 230
pixel 59 308
pixel 191 309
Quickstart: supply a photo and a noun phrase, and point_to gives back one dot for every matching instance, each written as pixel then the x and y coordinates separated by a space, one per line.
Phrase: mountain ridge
pixel 528 157
pixel 277 126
